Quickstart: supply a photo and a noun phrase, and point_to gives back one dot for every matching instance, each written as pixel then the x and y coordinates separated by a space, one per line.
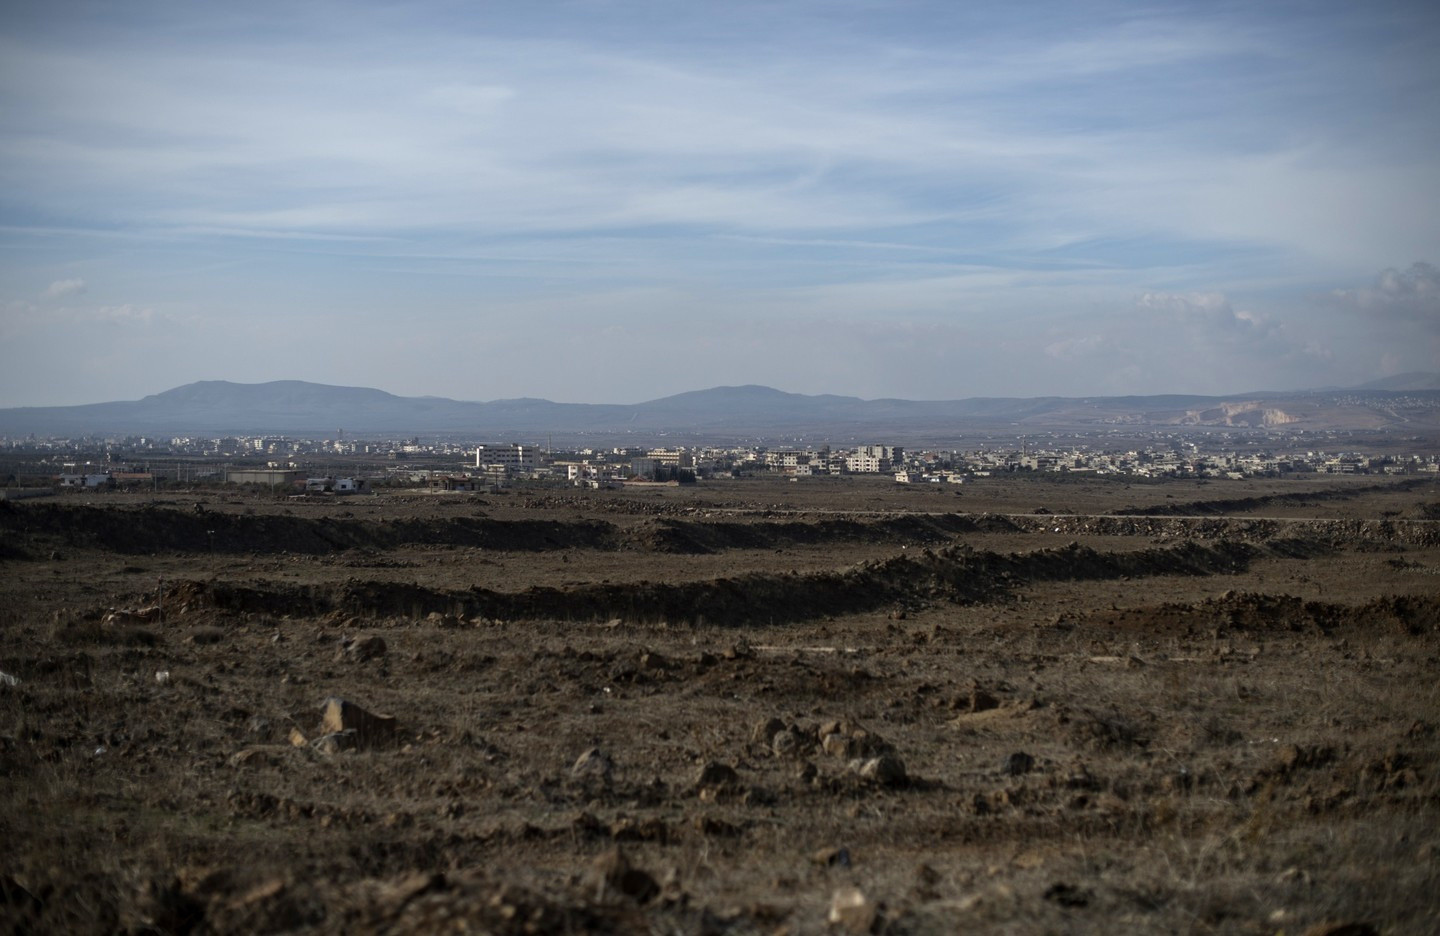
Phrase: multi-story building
pixel 671 458
pixel 513 457
pixel 874 459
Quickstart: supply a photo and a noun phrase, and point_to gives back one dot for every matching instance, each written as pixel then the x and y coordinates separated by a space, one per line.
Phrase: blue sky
pixel 615 201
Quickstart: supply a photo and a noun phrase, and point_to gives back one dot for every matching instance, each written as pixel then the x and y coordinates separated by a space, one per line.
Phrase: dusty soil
pixel 739 707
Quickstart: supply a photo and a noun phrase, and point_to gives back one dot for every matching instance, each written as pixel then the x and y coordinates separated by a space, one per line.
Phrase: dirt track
pixel 995 719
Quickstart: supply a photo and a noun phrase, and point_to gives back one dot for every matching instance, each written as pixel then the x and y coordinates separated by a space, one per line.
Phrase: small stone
pixel 268 755
pixel 850 909
pixel 1068 895
pixel 370 730
pixel 613 872
pixel 1293 875
pixel 1018 764
pixel 593 763
pixel 362 649
pixel 336 742
pixel 785 743
pixel 766 731
pixel 927 883
pixel 738 651
pixel 982 701
pixel 886 770
pixel 716 779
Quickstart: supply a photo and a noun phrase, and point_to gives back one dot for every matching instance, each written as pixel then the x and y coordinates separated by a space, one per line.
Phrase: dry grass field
pixel 1026 705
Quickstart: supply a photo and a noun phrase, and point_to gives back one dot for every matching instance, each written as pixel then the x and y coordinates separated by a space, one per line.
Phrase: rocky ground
pixel 739 707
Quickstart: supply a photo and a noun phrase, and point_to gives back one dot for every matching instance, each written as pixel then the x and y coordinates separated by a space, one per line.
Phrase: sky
pixel 614 201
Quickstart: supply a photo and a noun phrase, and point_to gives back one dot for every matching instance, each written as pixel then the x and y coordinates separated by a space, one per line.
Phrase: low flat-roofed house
pixel 272 476
pixel 95 480
pixel 455 483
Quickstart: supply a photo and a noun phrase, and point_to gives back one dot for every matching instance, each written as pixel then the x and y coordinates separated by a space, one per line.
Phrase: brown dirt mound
pixel 148 530
pixel 1258 612
pixel 956 574
pixel 1242 504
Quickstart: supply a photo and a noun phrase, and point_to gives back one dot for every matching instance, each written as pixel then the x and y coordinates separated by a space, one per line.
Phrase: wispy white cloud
pixel 62 288
pixel 126 314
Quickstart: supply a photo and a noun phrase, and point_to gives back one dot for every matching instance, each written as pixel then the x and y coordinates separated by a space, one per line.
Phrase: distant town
pixel 299 466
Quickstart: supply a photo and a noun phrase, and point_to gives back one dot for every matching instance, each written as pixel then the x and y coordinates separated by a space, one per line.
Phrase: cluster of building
pixel 309 466
pixel 953 466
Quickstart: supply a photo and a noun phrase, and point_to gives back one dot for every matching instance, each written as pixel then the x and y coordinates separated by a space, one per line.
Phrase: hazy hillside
pixel 1410 402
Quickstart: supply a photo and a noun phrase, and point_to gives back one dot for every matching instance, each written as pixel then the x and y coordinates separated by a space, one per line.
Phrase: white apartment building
pixel 874 459
pixel 512 457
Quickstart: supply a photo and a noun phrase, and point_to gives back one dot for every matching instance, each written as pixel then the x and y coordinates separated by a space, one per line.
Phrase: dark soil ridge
pixel 1242 504
pixel 151 530
pixel 1415 615
pixel 1267 530
pixel 955 574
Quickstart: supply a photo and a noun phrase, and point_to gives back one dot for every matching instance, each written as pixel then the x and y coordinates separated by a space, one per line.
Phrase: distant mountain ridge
pixel 217 407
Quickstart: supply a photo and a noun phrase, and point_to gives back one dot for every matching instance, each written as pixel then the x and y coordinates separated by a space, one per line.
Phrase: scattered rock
pixel 651 661
pixel 370 730
pixel 1018 764
pixel 267 755
pixel 927 883
pixel 738 651
pixel 1068 895
pixel 593 763
pixel 765 732
pixel 395 894
pixel 832 857
pixel 164 906
pixel 716 780
pixel 336 742
pixel 849 739
pixel 787 743
pixel 612 873
pixel 982 701
pixel 851 909
pixel 886 770
pixel 361 649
